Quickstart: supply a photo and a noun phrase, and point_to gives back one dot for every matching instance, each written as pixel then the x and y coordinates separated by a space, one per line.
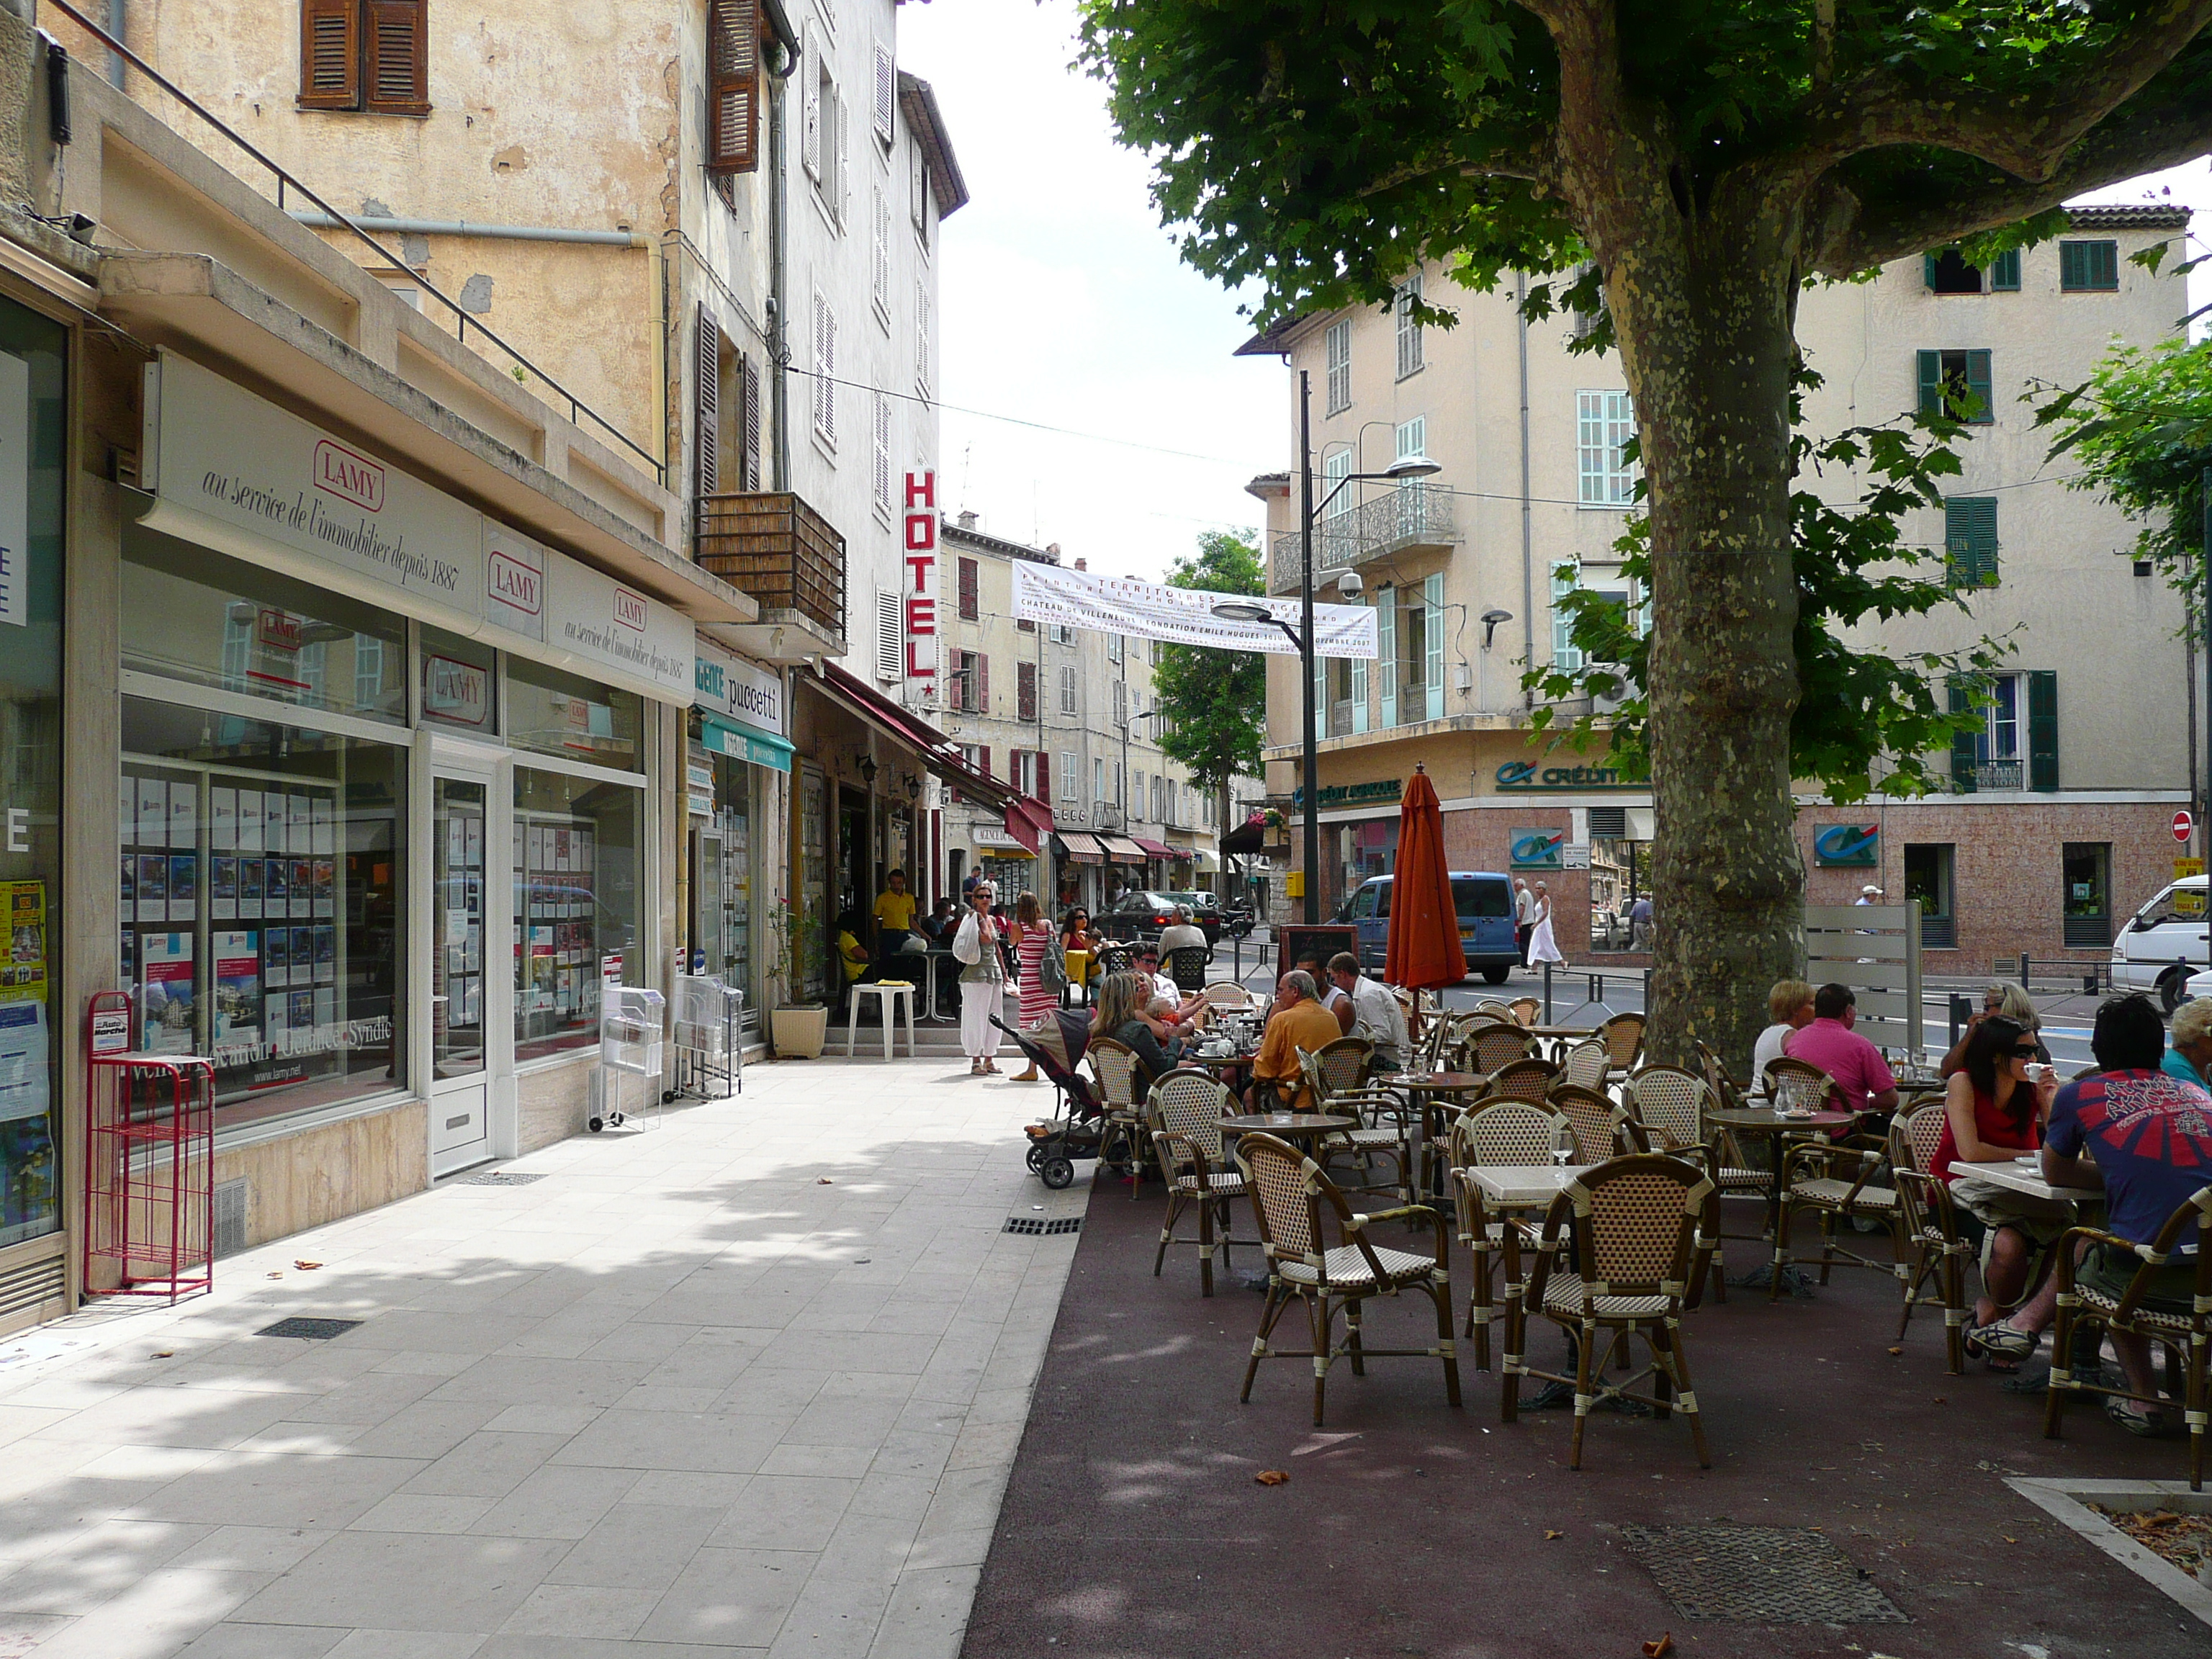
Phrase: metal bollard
pixel 1547 994
pixel 1962 1010
pixel 2023 970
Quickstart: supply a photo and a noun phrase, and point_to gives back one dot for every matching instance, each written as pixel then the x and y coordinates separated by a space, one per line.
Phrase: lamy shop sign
pixel 920 555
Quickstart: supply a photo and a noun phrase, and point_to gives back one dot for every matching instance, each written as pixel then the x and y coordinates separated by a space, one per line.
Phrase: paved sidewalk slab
pixel 749 1380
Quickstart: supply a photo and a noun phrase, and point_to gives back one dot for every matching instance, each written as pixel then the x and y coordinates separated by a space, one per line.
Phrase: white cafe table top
pixel 1525 1184
pixel 2028 1178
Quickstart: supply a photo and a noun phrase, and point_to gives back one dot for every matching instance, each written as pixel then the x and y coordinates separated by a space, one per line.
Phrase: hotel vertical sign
pixel 921 577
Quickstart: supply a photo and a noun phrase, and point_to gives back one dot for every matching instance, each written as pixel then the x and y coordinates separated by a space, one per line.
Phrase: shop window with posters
pixel 260 904
pixel 576 875
pixel 461 683
pixel 567 715
pixel 32 439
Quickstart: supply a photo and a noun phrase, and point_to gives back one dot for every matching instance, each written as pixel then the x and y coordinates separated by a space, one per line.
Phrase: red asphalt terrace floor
pixel 1133 1529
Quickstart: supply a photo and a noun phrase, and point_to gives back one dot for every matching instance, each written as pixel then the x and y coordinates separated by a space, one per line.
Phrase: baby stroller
pixel 1055 1048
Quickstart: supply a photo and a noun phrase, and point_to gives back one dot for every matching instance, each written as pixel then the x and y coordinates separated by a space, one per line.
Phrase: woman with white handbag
pixel 982 979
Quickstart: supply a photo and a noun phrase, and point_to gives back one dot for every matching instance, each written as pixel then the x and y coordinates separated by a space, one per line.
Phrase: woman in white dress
pixel 982 979
pixel 1542 947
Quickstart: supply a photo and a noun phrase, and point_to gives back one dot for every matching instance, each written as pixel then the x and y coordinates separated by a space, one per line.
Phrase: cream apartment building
pixel 716 223
pixel 1069 718
pixel 2057 825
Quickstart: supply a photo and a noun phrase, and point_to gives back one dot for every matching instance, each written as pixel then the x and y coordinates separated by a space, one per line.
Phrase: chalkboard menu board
pixel 1323 940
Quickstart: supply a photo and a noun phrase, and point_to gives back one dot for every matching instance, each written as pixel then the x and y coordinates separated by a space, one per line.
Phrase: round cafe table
pixel 1296 1127
pixel 1427 1088
pixel 1769 1125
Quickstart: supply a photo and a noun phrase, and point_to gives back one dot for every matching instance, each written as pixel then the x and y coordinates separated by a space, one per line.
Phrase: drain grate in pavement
pixel 497 1178
pixel 1031 1224
pixel 313 1330
pixel 1770 1575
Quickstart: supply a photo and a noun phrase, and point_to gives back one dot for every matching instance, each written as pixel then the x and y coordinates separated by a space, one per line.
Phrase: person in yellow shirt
pixel 1299 1022
pixel 894 908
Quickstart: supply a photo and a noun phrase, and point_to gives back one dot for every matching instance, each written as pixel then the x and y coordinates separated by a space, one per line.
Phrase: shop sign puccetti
pixel 1355 794
pixel 1528 775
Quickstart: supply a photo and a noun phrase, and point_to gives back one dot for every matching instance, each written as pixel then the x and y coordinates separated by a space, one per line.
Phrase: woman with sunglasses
pixel 1994 1110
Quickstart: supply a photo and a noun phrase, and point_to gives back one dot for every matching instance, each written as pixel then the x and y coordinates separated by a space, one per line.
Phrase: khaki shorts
pixel 2110 1272
pixel 2040 1220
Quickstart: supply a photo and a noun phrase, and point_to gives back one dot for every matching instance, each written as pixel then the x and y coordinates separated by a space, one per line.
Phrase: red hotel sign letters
pixel 921 576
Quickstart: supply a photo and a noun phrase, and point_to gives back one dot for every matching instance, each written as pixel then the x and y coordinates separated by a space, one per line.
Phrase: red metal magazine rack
pixel 150 1185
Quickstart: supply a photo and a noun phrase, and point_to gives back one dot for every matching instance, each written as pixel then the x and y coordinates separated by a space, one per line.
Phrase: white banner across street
pixel 1183 616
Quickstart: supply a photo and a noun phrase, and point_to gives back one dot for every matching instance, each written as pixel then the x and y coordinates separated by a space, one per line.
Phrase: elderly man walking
pixel 1299 1022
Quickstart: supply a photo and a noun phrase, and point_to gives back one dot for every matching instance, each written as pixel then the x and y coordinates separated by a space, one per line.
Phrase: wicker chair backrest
pixel 1527 1079
pixel 1495 1045
pixel 1639 1219
pixel 1672 1105
pixel 1595 1118
pixel 1227 994
pixel 1344 1063
pixel 1186 965
pixel 1494 1005
pixel 1525 1011
pixel 1115 1064
pixel 1508 1132
pixel 1797 1083
pixel 1716 1077
pixel 1915 1133
pixel 1282 1197
pixel 1192 1103
pixel 1588 1062
pixel 1624 1038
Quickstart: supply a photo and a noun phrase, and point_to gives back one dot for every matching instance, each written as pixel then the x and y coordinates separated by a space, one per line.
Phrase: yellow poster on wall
pixel 23 967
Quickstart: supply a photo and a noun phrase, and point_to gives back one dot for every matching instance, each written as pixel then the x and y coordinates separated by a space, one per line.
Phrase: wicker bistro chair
pixel 1187 964
pixel 1599 1125
pixel 1798 1085
pixel 1509 1132
pixel 1114 1065
pixel 1666 1107
pixel 2186 1337
pixel 1588 1063
pixel 1623 1035
pixel 1497 1005
pixel 1528 1078
pixel 1497 1045
pixel 1835 1182
pixel 1726 1090
pixel 1290 1196
pixel 1619 1257
pixel 1525 1011
pixel 1185 1112
pixel 1385 1118
pixel 1226 993
pixel 1935 1276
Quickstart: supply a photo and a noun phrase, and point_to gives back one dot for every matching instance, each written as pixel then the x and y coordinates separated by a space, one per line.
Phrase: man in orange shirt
pixel 1298 1022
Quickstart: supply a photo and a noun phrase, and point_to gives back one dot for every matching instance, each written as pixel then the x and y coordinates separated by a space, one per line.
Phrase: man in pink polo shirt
pixel 1863 1080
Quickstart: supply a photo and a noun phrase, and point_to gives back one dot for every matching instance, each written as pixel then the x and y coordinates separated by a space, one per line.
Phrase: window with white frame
pixel 1409 327
pixel 1335 470
pixel 1098 779
pixel 1159 798
pixel 2000 736
pixel 1121 702
pixel 1338 348
pixel 879 257
pixel 825 370
pixel 1567 577
pixel 885 89
pixel 883 454
pixel 918 191
pixel 1413 439
pixel 1068 698
pixel 922 325
pixel 890 641
pixel 824 145
pixel 1604 422
pixel 1113 648
pixel 1137 794
pixel 1067 775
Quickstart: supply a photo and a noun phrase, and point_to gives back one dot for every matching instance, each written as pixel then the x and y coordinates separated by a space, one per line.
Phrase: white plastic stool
pixel 885 996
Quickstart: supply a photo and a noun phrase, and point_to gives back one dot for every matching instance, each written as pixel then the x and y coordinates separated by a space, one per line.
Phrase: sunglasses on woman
pixel 2027 1051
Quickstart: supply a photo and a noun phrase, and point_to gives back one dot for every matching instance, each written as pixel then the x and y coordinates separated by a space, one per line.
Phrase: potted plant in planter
pixel 799 1030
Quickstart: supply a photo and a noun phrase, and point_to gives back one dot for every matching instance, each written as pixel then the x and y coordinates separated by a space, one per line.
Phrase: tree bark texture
pixel 1702 282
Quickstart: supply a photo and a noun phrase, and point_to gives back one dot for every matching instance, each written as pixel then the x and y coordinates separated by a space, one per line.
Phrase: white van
pixel 2166 941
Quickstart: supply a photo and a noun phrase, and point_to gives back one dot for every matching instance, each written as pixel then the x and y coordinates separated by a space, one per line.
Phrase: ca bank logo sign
pixel 1848 844
pixel 1537 849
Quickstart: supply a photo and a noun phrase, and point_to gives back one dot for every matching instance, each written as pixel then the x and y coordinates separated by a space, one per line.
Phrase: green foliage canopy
pixel 2142 428
pixel 1216 701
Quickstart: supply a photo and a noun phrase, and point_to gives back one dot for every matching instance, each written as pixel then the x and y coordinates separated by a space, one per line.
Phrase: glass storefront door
pixel 459 1109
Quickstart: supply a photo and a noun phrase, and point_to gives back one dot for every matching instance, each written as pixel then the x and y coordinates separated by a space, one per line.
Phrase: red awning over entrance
pixel 1027 821
pixel 1080 848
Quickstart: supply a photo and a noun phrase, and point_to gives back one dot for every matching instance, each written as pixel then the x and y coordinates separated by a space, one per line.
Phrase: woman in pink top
pixel 1033 936
pixel 1994 1108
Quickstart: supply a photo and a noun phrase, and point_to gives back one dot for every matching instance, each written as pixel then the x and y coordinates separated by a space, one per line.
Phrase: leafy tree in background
pixel 2142 428
pixel 1216 701
pixel 1699 162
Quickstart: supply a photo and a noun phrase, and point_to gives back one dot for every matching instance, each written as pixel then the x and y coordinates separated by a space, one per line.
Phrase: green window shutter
pixel 2043 729
pixel 1432 634
pixel 2088 267
pixel 1931 382
pixel 1970 541
pixel 1386 652
pixel 1962 742
pixel 1928 269
pixel 1981 406
pixel 2004 273
pixel 1359 694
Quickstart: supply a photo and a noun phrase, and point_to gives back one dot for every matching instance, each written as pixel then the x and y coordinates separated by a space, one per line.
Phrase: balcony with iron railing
pixel 779 550
pixel 1411 517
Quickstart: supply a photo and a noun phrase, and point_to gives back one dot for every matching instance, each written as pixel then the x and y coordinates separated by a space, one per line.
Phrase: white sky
pixel 1063 304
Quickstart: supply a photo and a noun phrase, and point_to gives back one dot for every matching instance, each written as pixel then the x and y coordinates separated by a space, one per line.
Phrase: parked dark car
pixel 1139 913
pixel 1205 911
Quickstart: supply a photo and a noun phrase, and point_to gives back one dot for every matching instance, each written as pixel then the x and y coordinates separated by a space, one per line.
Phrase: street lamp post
pixel 1303 637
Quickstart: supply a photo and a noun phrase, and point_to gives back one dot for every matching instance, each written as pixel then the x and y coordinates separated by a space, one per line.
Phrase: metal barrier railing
pixel 579 410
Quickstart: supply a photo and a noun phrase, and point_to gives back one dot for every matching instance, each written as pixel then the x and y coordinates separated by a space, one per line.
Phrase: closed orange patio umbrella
pixel 1423 953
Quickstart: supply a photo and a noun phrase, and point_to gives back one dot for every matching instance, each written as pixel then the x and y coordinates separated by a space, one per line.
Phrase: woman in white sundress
pixel 982 979
pixel 1542 947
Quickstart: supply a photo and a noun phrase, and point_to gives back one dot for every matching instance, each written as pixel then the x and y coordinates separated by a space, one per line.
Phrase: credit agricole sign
pixel 233 471
pixel 1525 777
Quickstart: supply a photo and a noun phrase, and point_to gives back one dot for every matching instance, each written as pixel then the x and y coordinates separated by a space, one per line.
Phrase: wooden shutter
pixel 1981 405
pixel 706 401
pixel 972 608
pixel 750 459
pixel 982 684
pixel 886 79
pixel 330 54
pixel 809 121
pixel 1970 541
pixel 1044 775
pixel 1931 382
pixel 2043 729
pixel 1928 271
pixel 733 33
pixel 396 80
pixel 2004 273
pixel 1963 747
pixel 1386 652
pixel 1025 691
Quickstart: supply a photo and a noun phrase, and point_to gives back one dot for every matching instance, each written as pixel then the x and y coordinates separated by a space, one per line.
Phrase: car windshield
pixel 1481 897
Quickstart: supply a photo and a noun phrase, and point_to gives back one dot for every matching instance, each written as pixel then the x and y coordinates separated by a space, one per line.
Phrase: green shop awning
pixel 742 743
